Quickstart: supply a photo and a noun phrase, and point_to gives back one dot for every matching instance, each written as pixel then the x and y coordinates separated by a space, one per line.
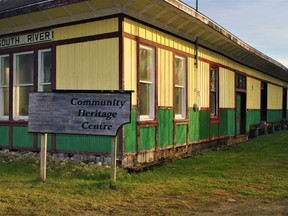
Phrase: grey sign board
pixel 79 113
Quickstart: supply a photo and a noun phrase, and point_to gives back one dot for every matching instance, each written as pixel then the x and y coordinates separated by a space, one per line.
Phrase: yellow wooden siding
pixel 203 84
pixel 191 88
pixel 86 29
pixel 92 65
pixel 217 58
pixel 157 36
pixel 274 97
pixel 165 78
pixel 253 93
pixel 130 67
pixel 226 88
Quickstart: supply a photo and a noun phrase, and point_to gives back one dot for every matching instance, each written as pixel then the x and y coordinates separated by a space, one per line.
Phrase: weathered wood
pixel 43 156
pixel 113 159
pixel 79 113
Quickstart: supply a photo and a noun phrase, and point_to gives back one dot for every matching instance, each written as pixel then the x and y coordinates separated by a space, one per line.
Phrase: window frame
pixel 183 106
pixel 16 98
pixel 151 84
pixel 214 113
pixel 4 117
pixel 41 86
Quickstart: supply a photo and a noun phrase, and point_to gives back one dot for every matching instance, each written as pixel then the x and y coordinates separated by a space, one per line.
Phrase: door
pixel 240 113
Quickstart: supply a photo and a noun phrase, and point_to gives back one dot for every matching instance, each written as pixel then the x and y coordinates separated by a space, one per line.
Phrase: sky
pixel 262 24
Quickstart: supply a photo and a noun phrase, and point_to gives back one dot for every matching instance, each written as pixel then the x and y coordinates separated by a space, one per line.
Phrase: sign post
pixel 43 156
pixel 113 159
pixel 80 112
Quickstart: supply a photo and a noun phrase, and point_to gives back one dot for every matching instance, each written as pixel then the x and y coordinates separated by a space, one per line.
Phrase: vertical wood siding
pixel 203 84
pixel 86 29
pixel 253 93
pixel 275 97
pixel 92 65
pixel 226 88
pixel 130 67
pixel 165 78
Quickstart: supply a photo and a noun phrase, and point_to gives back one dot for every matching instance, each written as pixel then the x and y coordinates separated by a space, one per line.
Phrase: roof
pixel 170 15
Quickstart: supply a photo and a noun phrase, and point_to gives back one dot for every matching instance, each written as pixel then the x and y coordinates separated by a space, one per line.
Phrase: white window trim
pixel 3 117
pixel 183 107
pixel 40 84
pixel 16 115
pixel 152 89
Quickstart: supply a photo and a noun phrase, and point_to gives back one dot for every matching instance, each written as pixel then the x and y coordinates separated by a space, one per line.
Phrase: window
pixel 214 91
pixel 147 82
pixel 44 70
pixel 240 81
pixel 23 83
pixel 4 87
pixel 180 87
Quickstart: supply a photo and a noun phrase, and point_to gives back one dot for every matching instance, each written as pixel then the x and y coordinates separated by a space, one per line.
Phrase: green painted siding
pixel 4 136
pixel 274 115
pixel 48 141
pixel 130 132
pixel 165 130
pixel 253 117
pixel 215 130
pixel 83 143
pixel 193 126
pixel 147 138
pixel 204 123
pixel 181 134
pixel 227 122
pixel 21 137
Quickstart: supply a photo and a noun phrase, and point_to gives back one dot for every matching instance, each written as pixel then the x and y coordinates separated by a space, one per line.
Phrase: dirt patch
pixel 248 207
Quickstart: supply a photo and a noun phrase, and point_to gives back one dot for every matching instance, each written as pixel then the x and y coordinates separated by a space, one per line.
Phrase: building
pixel 195 84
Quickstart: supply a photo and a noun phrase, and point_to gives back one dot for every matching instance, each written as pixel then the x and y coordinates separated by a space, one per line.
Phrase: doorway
pixel 240 113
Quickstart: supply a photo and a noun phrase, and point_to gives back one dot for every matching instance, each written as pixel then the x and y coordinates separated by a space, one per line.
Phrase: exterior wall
pixel 92 65
pixel 88 57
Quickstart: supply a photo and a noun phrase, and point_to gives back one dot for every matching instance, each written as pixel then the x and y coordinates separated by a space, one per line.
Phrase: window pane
pixel 144 100
pixel 5 101
pixel 24 68
pixel 4 70
pixel 179 101
pixel 179 71
pixel 23 100
pixel 45 67
pixel 146 64
pixel 213 79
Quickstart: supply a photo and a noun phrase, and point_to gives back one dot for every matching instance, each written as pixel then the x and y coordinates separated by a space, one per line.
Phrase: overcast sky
pixel 263 24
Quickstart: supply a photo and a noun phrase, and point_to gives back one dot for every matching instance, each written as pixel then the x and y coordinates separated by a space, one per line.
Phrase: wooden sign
pixel 79 113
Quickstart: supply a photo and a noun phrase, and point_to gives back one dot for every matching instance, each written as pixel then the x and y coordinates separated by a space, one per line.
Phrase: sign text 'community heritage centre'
pixel 79 113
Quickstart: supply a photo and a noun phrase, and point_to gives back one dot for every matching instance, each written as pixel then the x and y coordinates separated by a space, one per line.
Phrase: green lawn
pixel 257 169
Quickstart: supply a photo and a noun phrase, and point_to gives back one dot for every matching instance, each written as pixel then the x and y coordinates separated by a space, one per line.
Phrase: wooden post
pixel 113 158
pixel 43 156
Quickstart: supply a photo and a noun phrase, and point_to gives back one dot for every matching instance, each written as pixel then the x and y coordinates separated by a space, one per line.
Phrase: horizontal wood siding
pixel 92 65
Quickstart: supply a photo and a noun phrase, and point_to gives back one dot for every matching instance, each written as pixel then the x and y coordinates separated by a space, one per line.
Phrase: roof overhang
pixel 169 15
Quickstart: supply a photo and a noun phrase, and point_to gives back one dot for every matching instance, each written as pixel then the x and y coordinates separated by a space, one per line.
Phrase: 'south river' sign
pixel 79 113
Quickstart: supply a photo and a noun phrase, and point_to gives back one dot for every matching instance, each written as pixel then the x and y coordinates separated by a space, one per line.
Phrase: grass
pixel 257 169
